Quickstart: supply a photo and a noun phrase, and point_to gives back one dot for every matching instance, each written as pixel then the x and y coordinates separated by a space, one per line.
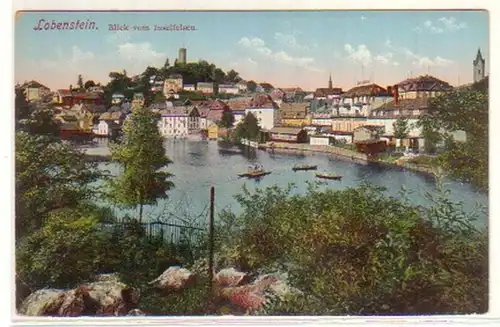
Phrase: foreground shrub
pixel 358 251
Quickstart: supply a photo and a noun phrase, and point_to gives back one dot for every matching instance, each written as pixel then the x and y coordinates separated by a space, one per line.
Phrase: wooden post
pixel 211 238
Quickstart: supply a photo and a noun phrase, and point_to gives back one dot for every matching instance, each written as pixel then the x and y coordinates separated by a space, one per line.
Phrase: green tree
pixel 359 251
pixel 34 118
pixel 80 82
pixel 49 175
pixel 142 156
pixel 232 77
pixel 62 253
pixel 227 120
pixel 249 128
pixel 88 84
pixel 462 110
pixel 401 128
pixel 251 86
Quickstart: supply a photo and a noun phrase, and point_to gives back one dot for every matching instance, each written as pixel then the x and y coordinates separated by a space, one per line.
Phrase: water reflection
pixel 198 165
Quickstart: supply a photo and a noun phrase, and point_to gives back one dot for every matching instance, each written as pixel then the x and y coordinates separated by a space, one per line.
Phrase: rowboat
pixel 230 151
pixel 254 174
pixel 329 176
pixel 304 167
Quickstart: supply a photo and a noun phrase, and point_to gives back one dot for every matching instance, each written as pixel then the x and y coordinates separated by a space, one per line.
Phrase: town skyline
pixel 286 49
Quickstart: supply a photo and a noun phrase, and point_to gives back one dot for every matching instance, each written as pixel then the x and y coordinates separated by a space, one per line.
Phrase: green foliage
pixel 249 128
pixel 461 110
pixel 88 84
pixel 251 86
pixel 34 118
pixel 49 175
pixel 80 82
pixel 232 77
pixel 227 120
pixel 357 251
pixel 401 128
pixel 141 154
pixel 62 253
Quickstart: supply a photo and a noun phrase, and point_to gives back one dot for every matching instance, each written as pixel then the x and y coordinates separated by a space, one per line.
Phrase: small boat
pixel 230 151
pixel 329 176
pixel 255 172
pixel 305 167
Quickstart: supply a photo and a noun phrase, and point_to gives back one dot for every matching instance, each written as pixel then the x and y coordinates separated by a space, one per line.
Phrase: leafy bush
pixel 358 251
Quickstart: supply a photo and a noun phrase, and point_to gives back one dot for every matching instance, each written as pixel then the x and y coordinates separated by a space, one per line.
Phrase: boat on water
pixel 305 167
pixel 230 151
pixel 329 176
pixel 255 172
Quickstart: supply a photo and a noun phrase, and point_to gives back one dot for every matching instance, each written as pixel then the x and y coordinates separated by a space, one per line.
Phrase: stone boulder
pixel 173 279
pixel 102 298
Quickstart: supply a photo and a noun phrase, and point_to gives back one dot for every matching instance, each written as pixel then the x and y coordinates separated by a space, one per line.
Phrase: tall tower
pixel 182 56
pixel 479 66
pixel 330 83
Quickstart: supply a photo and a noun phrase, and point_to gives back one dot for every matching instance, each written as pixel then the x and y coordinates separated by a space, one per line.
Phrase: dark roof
pixel 33 85
pixel 325 91
pixel 404 104
pixel 262 100
pixel 69 126
pixel 115 115
pixel 366 90
pixel 177 111
pixel 479 57
pixel 424 83
pixel 266 86
pixel 373 128
pixel 286 130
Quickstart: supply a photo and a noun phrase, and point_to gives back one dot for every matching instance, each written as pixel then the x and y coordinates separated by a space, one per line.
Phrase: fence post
pixel 211 238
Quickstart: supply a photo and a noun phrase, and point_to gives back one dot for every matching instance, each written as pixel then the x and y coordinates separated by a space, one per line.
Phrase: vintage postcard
pixel 298 163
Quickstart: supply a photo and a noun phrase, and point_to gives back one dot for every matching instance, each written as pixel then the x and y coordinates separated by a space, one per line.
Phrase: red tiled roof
pixel 219 105
pixel 262 100
pixel 203 111
pixel 215 115
pixel 65 92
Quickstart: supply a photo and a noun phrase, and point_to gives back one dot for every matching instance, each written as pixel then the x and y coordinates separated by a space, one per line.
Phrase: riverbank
pixel 302 148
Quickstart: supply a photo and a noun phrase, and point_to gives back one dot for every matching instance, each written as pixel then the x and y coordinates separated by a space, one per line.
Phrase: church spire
pixel 330 83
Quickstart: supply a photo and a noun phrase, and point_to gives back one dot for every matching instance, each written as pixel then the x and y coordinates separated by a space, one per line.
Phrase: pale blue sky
pixel 283 48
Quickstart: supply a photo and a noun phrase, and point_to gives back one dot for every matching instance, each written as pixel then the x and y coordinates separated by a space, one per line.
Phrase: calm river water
pixel 198 165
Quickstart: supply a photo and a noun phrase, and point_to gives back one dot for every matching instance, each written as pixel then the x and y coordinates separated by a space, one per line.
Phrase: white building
pixel 238 115
pixel 205 87
pixel 106 128
pixel 267 117
pixel 179 121
pixel 203 111
pixel 242 86
pixel 228 88
pixel 319 140
pixel 189 87
pixel 361 100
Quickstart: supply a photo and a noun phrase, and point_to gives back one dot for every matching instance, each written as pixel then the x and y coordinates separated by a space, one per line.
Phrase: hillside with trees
pixel 192 73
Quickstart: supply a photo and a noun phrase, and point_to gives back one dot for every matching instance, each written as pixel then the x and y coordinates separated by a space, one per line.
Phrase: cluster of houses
pixel 326 116
pixel 365 113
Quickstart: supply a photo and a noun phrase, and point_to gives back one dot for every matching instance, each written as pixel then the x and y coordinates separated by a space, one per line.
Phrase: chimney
pixel 396 94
